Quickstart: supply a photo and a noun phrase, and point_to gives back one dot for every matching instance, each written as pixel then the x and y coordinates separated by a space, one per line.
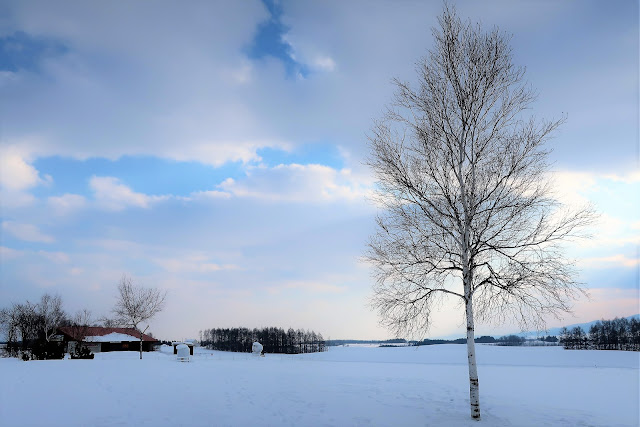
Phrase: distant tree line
pixel 427 341
pixel 273 340
pixel 331 343
pixel 510 340
pixel 483 339
pixel 506 340
pixel 515 340
pixel 616 334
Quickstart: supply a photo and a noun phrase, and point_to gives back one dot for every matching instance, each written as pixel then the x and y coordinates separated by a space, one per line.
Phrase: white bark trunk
pixel 467 278
pixel 474 389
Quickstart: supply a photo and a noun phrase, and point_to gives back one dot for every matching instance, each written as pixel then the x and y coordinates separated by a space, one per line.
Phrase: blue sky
pixel 216 150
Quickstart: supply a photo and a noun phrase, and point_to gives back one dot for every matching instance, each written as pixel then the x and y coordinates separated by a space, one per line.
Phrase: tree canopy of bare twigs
pixel 50 310
pixel 79 326
pixel 136 304
pixel 468 211
pixel 29 323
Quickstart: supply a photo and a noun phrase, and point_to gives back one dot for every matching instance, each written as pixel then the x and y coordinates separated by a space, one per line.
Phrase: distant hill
pixel 556 331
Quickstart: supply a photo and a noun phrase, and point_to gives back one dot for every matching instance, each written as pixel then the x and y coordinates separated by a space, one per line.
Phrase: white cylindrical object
pixel 256 348
pixel 183 352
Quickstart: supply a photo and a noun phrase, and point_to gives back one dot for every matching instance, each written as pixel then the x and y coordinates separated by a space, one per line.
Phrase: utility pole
pixel 141 333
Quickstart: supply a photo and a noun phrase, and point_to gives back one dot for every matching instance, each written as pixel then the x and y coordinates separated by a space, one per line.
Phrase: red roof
pixel 98 331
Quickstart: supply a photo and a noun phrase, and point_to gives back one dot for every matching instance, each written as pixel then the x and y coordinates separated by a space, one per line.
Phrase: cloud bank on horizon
pixel 216 151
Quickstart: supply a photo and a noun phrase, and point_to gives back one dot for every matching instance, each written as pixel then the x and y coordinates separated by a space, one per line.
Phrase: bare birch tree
pixel 468 211
pixel 136 304
pixel 51 313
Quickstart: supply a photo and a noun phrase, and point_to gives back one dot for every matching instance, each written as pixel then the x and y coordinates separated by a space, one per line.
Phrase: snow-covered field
pixel 346 386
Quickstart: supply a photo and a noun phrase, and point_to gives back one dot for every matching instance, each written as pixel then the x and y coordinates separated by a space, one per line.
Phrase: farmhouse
pixel 99 339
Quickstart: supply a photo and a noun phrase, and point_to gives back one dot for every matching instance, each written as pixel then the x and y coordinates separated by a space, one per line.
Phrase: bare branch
pixel 136 304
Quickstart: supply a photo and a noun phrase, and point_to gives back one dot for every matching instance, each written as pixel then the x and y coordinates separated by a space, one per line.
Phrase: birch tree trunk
pixel 474 386
pixel 467 278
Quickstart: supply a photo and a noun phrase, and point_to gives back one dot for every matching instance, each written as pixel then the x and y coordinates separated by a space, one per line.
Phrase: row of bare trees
pixel 30 327
pixel 616 334
pixel 274 340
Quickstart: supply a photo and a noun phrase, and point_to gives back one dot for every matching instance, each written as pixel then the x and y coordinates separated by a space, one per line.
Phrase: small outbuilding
pixel 175 345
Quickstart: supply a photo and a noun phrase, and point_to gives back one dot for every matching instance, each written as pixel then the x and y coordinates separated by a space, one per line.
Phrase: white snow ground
pixel 346 386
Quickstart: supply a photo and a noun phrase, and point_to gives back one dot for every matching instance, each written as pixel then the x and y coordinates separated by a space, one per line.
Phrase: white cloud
pixel 57 257
pixel 111 194
pixel 308 286
pixel 15 199
pixel 191 264
pixel 611 232
pixel 325 63
pixel 16 173
pixel 192 94
pixel 242 74
pixel 26 232
pixel 204 195
pixel 576 186
pixel 9 253
pixel 628 178
pixel 174 95
pixel 67 203
pixel 299 183
pixel 217 153
pixel 184 101
pixel 619 260
pixel 116 246
pixel 169 258
pixel 18 176
pixel 571 188
pixel 616 199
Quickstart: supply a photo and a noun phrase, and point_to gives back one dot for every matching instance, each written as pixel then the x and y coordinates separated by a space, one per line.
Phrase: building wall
pixel 127 346
pixel 112 346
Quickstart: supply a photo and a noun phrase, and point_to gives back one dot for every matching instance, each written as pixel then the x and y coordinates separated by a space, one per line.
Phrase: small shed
pixel 256 348
pixel 183 352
